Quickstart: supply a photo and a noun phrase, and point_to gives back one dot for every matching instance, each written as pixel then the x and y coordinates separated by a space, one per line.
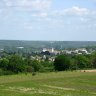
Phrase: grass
pixel 49 84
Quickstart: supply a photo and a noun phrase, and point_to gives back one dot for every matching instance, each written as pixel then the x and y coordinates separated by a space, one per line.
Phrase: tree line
pixel 75 62
pixel 14 64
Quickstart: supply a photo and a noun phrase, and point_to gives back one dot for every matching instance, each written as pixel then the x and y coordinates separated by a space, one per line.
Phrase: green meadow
pixel 49 84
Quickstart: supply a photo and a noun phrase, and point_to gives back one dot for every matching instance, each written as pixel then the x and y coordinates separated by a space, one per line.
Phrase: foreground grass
pixel 49 84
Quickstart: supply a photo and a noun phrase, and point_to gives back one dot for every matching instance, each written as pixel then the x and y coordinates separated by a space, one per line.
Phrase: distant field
pixel 49 84
pixel 45 44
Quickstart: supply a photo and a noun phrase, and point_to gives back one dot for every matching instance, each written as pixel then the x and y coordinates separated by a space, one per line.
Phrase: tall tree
pixel 62 63
pixel 82 61
pixel 16 64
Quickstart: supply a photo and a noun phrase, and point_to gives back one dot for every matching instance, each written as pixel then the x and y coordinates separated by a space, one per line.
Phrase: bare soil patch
pixel 88 70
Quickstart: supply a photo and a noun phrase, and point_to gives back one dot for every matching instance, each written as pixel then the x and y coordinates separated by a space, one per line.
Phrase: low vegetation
pixel 49 84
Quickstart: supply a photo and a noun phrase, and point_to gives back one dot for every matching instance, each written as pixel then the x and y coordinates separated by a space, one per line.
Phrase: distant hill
pixel 46 44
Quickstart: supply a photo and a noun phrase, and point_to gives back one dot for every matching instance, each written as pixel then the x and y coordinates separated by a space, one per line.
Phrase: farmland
pixel 49 84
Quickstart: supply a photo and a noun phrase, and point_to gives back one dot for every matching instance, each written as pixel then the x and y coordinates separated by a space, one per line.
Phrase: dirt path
pixel 88 70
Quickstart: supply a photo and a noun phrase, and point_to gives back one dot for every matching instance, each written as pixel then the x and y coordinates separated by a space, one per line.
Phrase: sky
pixel 51 20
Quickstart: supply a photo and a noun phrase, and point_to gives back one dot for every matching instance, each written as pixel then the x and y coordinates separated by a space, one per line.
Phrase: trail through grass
pixel 49 84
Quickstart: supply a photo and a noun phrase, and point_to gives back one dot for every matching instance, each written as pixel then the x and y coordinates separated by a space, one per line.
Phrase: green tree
pixel 16 64
pixel 48 66
pixel 62 62
pixel 73 64
pixel 93 60
pixel 35 65
pixel 4 63
pixel 82 61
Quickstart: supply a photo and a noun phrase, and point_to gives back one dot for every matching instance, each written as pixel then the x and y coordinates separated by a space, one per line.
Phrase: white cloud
pixel 77 10
pixel 29 4
pixel 41 14
pixel 84 20
pixel 8 3
pixel 29 27
pixel 72 11
pixel 74 15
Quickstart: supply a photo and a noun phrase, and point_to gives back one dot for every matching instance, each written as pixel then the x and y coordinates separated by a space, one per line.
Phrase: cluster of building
pixel 51 53
pixel 54 52
pixel 77 51
pixel 43 58
pixel 67 51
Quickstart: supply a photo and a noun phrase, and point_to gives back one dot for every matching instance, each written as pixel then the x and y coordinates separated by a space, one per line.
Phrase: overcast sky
pixel 65 20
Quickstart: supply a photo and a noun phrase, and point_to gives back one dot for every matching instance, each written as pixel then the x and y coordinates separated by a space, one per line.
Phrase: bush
pixel 7 72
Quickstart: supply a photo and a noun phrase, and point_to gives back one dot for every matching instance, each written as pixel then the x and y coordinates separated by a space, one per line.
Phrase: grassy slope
pixel 49 84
